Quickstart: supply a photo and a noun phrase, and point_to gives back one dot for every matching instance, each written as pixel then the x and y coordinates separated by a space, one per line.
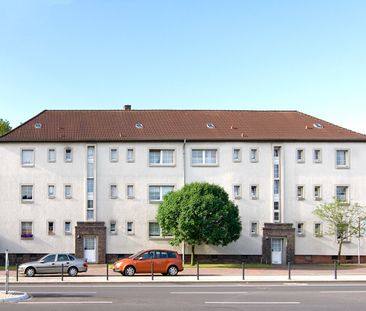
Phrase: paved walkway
pixel 299 273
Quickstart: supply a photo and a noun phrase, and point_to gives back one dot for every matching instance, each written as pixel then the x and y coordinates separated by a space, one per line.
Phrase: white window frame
pixel 70 231
pixel 21 230
pixel 254 232
pixel 256 153
pixel 256 196
pixel 21 193
pixel 347 193
pixel 132 232
pixel 161 156
pixel 132 159
pixel 320 233
pixel 160 236
pixel 130 186
pixel 300 197
pixel 111 151
pixel 111 194
pixel 49 153
pixel 204 150
pixel 27 164
pixel 67 196
pixel 302 232
pixel 347 158
pixel 236 155
pixel 319 197
pixel 51 196
pixel 161 192
pixel 302 158
pixel 237 191
pixel 320 159
pixel 68 160
pixel 113 232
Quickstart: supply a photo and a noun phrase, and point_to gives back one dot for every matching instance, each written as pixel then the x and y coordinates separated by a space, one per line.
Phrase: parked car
pixel 52 263
pixel 166 262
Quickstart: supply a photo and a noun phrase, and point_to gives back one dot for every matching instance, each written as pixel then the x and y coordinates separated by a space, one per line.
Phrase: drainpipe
pixel 184 182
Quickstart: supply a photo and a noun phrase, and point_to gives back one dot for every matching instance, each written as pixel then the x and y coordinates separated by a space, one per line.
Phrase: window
pixel 26 230
pixel 68 154
pixel 90 185
pixel 113 155
pixel 254 228
pixel 317 156
pixel 154 229
pixel 112 227
pixel 62 257
pixel 90 210
pixel 157 193
pixel 130 155
pixel 236 154
pixel 342 193
pixel 67 227
pixel 204 157
pixel 113 192
pixel 317 193
pixel 276 152
pixel 253 155
pixel 300 193
pixel 51 155
pixel 130 229
pixel 27 157
pixel 161 157
pixel 300 156
pixel 27 193
pixel 276 212
pixel 237 192
pixel 51 227
pixel 254 192
pixel 318 230
pixel 276 186
pixel 68 193
pixel 342 159
pixel 276 171
pixel 130 192
pixel 300 229
pixel 51 191
pixel 49 258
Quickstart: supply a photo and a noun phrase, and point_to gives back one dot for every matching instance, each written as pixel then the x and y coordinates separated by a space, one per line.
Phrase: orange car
pixel 162 261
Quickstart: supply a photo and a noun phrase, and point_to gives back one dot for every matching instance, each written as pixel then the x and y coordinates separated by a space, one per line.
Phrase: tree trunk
pixel 339 252
pixel 193 256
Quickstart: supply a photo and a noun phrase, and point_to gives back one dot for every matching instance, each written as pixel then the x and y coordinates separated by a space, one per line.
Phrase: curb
pixel 20 296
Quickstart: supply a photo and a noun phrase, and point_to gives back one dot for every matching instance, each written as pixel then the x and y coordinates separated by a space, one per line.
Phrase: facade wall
pixel 140 174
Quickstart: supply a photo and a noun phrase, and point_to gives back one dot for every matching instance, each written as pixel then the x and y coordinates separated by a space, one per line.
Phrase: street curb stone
pixel 18 296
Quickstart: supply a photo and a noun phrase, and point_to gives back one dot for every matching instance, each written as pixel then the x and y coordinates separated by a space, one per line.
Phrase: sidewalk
pixel 299 273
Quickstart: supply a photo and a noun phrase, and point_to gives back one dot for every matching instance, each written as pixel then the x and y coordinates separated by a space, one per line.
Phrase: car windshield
pixel 136 254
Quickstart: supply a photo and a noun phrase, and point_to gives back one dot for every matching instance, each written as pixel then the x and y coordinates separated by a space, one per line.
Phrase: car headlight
pixel 118 264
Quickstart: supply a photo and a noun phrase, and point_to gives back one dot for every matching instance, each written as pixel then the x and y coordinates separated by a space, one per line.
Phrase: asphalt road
pixel 276 296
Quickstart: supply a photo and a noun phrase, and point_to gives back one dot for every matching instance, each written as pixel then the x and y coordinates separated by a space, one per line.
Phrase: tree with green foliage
pixel 343 219
pixel 199 213
pixel 4 127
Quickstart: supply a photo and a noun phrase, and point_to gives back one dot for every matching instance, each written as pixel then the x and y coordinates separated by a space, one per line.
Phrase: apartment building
pixel 90 182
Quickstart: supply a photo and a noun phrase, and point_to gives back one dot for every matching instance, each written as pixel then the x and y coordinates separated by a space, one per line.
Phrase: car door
pixel 159 260
pixel 47 264
pixel 142 262
pixel 62 261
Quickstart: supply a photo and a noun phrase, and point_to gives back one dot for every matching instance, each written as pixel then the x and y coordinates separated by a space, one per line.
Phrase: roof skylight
pixel 139 125
pixel 318 125
pixel 211 125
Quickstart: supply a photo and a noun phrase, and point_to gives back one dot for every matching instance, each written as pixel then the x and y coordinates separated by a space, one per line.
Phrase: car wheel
pixel 30 272
pixel 129 271
pixel 73 271
pixel 172 270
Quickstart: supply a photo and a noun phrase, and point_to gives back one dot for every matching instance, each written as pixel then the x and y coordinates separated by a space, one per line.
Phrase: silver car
pixel 53 263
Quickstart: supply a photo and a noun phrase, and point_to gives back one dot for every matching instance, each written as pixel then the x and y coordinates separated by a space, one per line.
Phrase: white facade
pixel 234 169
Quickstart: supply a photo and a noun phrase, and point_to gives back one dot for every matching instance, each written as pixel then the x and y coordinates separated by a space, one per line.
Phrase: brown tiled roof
pixel 170 125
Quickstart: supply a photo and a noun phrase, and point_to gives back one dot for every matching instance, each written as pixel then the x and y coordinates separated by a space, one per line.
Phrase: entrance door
pixel 277 251
pixel 90 248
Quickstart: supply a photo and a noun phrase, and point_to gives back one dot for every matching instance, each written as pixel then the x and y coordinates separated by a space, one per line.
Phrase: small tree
pixel 343 220
pixel 4 127
pixel 199 213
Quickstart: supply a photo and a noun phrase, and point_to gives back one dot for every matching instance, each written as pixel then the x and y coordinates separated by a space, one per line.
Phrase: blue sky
pixel 306 55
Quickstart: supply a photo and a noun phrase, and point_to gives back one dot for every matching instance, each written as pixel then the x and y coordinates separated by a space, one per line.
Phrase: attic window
pixel 211 125
pixel 318 125
pixel 38 125
pixel 139 125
